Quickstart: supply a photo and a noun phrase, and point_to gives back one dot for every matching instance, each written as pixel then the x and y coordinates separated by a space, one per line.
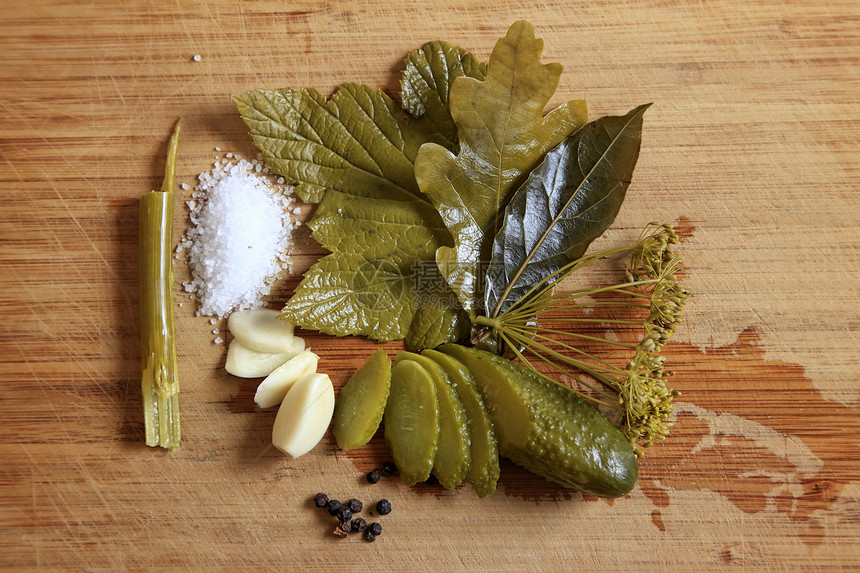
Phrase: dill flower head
pixel 639 389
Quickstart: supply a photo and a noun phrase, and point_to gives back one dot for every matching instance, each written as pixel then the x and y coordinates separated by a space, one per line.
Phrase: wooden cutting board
pixel 751 149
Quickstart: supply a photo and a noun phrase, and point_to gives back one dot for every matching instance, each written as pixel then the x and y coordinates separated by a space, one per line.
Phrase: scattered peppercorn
pixel 340 531
pixel 334 506
pixel 375 528
pixel 369 536
pixel 346 527
pixel 359 524
pixel 373 477
pixel 354 505
pixel 344 514
pixel 321 500
pixel 388 468
pixel 383 507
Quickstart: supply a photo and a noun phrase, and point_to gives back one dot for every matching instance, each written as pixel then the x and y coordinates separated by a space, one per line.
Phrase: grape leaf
pixel 353 155
pixel 358 142
pixel 502 136
pixel 375 280
pixel 567 201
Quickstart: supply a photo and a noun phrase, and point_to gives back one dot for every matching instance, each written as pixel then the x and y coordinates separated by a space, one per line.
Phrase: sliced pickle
pixel 548 429
pixel 361 402
pixel 412 421
pixel 484 473
pixel 453 453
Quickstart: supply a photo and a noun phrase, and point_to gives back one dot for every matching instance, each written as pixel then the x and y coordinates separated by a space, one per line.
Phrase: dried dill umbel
pixel 639 389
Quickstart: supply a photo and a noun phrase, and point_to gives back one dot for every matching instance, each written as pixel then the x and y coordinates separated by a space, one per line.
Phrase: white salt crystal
pixel 239 240
pixel 196 57
pixel 218 340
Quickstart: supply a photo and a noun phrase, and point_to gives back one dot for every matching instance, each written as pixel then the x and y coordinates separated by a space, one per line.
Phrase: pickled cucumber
pixel 361 402
pixel 453 453
pixel 412 421
pixel 484 473
pixel 548 429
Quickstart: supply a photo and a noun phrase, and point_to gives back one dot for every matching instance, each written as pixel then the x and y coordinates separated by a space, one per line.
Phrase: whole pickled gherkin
pixel 548 429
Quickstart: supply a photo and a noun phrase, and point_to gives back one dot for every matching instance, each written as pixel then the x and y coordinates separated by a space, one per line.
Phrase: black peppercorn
pixel 334 506
pixel 359 524
pixel 344 514
pixel 354 505
pixel 383 507
pixel 375 528
pixel 345 527
pixel 388 468
pixel 373 477
pixel 369 536
pixel 321 500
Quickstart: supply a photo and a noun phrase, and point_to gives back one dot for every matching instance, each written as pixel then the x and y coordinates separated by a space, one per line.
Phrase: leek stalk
pixel 160 382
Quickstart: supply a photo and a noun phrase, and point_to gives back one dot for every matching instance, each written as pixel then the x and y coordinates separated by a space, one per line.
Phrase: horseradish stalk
pixel 160 383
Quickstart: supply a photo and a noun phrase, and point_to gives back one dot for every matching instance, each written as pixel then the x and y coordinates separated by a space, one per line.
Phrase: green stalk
pixel 590 369
pixel 159 382
pixel 582 395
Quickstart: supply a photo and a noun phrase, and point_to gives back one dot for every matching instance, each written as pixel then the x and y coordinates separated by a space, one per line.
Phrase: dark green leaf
pixel 567 201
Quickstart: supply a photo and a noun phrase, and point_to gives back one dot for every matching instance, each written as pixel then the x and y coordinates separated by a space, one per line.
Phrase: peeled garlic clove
pixel 261 331
pixel 304 415
pixel 272 390
pixel 246 363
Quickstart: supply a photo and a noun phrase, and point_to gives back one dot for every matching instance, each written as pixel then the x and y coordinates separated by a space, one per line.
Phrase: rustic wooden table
pixel 751 149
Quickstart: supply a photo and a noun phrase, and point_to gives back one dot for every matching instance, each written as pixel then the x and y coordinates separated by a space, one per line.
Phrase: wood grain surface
pixel 751 149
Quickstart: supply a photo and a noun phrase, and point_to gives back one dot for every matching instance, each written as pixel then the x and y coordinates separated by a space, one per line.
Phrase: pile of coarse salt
pixel 241 238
